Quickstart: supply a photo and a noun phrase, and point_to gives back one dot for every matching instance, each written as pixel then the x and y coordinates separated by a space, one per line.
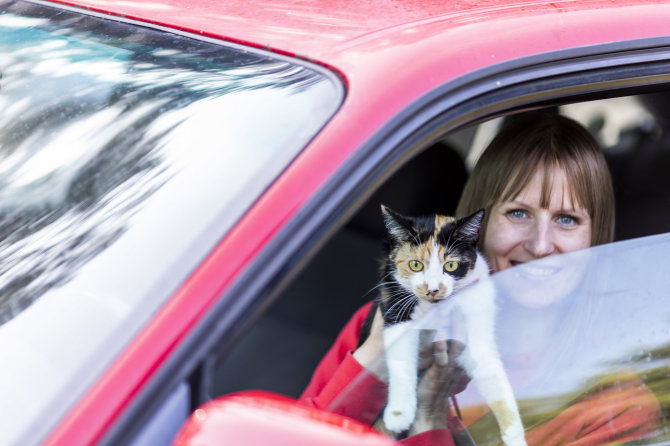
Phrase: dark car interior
pixel 283 348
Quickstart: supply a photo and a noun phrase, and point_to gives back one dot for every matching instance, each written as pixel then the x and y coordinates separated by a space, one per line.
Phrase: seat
pixel 639 165
pixel 431 182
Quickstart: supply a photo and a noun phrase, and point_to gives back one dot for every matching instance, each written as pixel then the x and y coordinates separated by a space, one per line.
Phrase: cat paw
pixel 398 420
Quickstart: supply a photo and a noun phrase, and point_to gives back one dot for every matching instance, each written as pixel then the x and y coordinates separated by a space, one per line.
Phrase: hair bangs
pixel 523 173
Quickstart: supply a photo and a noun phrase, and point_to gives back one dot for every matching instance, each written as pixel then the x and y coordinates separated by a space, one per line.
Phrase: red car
pixel 189 199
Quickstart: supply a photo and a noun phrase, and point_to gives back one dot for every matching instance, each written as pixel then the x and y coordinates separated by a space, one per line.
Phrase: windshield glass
pixel 582 340
pixel 125 154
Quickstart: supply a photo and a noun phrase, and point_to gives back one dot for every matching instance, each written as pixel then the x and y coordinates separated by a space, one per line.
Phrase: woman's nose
pixel 540 241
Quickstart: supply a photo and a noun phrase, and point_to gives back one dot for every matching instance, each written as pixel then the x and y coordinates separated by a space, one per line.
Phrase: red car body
pixel 392 57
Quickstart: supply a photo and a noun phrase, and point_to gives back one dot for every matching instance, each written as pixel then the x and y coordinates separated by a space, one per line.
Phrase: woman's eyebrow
pixel 519 203
pixel 562 210
pixel 514 201
pixel 572 210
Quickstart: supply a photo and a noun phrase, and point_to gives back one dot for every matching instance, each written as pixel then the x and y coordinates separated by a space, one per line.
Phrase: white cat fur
pixel 480 359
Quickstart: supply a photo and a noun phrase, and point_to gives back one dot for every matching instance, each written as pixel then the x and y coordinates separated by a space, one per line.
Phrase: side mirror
pixel 258 418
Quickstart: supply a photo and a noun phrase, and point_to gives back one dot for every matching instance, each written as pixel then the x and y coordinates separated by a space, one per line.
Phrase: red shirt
pixel 341 385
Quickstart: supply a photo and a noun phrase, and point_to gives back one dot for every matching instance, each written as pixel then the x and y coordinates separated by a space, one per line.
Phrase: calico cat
pixel 430 259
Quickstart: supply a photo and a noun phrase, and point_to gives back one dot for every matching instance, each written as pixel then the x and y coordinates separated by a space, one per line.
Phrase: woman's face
pixel 520 230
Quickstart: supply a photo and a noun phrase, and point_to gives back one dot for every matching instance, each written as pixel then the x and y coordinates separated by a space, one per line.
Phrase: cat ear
pixel 467 228
pixel 398 226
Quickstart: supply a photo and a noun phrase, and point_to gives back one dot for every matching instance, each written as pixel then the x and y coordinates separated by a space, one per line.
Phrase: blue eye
pixel 516 214
pixel 567 220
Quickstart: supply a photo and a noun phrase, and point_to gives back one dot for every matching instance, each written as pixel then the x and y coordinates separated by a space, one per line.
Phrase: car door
pixel 547 79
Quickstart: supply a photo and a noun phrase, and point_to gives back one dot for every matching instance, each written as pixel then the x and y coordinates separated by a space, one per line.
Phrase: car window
pixel 125 155
pixel 584 341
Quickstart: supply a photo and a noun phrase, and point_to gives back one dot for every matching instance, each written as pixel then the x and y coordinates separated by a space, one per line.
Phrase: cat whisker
pixel 406 307
pixel 400 299
pixel 401 306
pixel 394 287
pixel 448 244
pixel 456 244
pixel 381 284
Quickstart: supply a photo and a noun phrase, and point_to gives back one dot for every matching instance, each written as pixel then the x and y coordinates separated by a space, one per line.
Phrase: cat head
pixel 432 256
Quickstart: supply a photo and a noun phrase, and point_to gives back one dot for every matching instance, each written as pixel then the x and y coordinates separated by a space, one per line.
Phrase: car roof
pixel 310 28
pixel 423 43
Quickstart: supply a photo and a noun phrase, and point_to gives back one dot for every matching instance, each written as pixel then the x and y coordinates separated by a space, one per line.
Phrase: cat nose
pixel 433 292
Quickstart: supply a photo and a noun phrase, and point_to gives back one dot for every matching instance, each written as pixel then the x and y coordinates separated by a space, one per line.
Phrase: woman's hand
pixel 371 353
pixel 442 379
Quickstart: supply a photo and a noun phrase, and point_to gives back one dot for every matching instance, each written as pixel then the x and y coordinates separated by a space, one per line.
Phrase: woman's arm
pixel 341 384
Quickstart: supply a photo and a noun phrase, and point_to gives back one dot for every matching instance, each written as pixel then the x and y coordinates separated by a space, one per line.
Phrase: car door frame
pixel 553 78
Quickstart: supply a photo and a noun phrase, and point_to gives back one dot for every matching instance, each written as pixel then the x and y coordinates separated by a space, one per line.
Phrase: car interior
pixel 284 346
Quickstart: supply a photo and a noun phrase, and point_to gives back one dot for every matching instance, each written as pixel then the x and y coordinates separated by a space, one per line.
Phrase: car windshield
pixel 583 339
pixel 125 154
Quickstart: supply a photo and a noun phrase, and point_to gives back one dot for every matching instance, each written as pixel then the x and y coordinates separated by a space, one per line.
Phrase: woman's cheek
pixel 575 240
pixel 495 245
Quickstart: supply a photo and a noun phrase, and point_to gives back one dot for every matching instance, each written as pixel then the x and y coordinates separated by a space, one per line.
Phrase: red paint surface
pixel 261 419
pixel 390 53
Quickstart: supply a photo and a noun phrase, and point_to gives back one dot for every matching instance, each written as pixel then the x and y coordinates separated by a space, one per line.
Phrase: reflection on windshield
pixel 585 343
pixel 87 134
pixel 126 154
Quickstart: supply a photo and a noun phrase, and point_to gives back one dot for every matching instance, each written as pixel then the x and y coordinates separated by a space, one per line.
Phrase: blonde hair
pixel 542 143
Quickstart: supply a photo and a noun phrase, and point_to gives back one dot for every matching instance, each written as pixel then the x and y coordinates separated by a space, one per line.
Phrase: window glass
pixel 126 153
pixel 584 343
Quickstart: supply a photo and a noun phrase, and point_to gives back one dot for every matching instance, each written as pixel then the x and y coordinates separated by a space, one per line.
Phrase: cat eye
pixel 415 265
pixel 450 267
